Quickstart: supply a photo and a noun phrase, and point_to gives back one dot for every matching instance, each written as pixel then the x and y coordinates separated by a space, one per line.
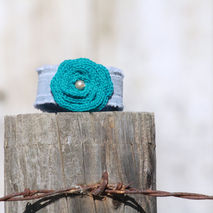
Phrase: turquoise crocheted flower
pixel 81 85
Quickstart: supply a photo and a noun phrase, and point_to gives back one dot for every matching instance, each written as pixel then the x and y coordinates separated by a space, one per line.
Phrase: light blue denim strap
pixel 45 100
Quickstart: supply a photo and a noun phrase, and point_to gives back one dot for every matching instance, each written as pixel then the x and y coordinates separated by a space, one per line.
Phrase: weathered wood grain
pixel 55 151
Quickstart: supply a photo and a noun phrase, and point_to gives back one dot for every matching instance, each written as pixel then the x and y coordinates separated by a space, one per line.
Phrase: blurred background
pixel 165 49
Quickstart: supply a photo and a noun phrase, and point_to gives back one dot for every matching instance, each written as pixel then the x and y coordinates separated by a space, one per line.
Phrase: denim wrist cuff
pixel 81 99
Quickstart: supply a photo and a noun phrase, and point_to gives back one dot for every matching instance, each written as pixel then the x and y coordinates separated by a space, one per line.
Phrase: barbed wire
pixel 103 188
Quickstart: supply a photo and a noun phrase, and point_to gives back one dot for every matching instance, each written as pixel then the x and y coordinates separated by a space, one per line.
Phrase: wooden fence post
pixel 54 151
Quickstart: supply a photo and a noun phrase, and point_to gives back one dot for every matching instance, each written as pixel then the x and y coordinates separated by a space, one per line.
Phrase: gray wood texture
pixel 54 151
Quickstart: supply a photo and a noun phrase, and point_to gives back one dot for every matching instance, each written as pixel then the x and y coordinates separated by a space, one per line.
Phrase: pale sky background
pixel 165 49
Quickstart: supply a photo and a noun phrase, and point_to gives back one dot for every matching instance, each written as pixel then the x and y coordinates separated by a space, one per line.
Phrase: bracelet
pixel 79 85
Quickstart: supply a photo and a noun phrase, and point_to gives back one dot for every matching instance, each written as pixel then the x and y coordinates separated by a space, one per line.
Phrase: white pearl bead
pixel 80 84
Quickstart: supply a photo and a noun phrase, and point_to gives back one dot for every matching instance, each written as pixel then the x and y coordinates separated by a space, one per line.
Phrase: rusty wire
pixel 100 189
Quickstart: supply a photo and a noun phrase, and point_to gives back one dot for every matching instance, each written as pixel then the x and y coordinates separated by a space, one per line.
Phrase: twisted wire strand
pixel 101 189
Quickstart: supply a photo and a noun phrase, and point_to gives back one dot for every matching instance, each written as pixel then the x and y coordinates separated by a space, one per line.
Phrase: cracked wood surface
pixel 53 151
